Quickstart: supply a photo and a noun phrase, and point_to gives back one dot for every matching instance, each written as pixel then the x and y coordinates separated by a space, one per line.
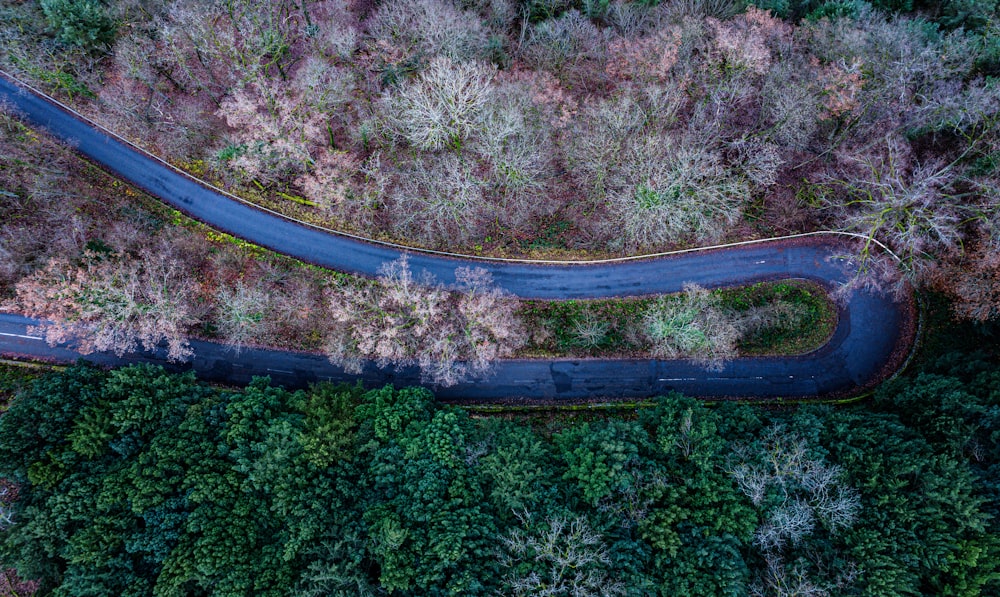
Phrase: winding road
pixel 869 336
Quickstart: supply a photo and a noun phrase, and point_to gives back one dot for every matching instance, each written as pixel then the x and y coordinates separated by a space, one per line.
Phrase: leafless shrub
pixel 742 43
pixel 789 524
pixel 503 16
pixel 8 262
pixel 42 216
pixel 590 331
pixel 719 109
pixel 298 316
pixel 630 503
pixel 662 103
pixel 650 58
pixel 134 102
pixel 778 314
pixel 383 322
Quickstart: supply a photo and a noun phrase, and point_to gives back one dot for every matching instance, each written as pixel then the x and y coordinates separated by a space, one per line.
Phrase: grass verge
pixel 613 328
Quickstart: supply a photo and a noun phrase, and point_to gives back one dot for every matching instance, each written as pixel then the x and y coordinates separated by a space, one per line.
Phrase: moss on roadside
pixel 819 317
pixel 14 376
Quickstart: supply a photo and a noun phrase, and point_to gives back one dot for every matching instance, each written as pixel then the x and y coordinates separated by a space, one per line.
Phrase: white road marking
pixel 761 261
pixel 280 371
pixel 677 379
pixel 21 336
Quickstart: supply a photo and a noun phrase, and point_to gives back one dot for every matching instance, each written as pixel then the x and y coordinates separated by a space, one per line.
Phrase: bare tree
pixel 242 314
pixel 779 581
pixel 791 105
pixel 336 30
pixel 8 496
pixel 669 190
pixel 919 209
pixel 12 585
pixel 489 328
pixel 442 106
pixel 719 9
pixel 438 198
pixel 112 304
pixel 596 145
pixel 559 556
pixel 330 181
pixel 692 325
pixel 272 129
pixel 796 491
pixel 429 28
pixel 516 143
pixel 216 46
pixel 563 44
pixel 973 283
pixel 321 86
pixel 759 160
pixel 405 320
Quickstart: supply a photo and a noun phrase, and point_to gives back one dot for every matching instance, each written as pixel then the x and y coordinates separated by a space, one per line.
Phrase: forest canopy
pixel 137 482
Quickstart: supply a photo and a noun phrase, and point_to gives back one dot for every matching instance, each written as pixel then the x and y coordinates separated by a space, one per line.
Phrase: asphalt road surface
pixel 869 333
